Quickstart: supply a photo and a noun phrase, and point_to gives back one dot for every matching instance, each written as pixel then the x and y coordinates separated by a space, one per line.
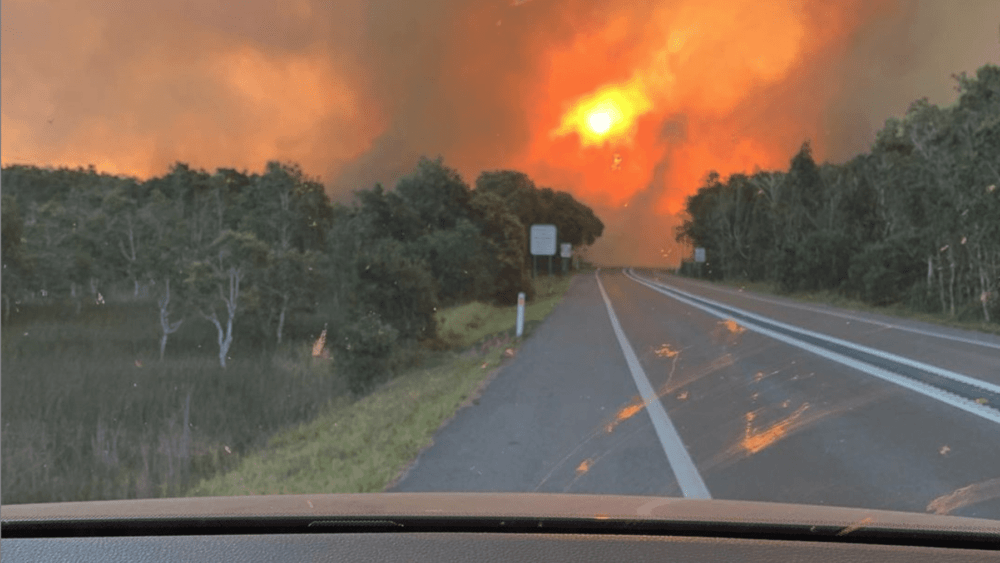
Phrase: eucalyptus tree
pixel 220 278
pixel 290 214
pixel 128 230
pixel 167 248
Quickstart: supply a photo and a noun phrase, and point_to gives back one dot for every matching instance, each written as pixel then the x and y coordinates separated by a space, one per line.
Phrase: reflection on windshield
pixel 742 250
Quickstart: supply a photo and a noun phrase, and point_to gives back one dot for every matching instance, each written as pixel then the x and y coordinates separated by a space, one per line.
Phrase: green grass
pixel 362 446
pixel 468 324
pixel 898 310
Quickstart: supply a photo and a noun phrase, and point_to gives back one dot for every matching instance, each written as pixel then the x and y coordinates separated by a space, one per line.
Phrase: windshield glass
pixel 716 249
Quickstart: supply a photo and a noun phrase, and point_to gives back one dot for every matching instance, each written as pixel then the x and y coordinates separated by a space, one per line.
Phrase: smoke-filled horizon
pixel 625 105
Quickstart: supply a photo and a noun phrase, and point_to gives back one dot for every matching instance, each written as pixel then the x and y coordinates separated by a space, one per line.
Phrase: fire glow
pixel 609 114
pixel 688 87
pixel 610 101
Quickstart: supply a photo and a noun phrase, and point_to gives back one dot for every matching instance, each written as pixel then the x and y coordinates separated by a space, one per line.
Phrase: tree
pixel 289 280
pixel 515 189
pixel 167 327
pixel 290 214
pixel 579 225
pixel 166 249
pixel 457 260
pixel 575 222
pixel 436 194
pixel 506 245
pixel 399 287
pixel 366 346
pixel 386 214
pixel 807 190
pixel 217 280
pixel 203 200
pixel 46 236
pixel 12 226
pixel 127 229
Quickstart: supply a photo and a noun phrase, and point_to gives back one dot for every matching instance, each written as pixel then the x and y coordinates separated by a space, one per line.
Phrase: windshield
pixel 717 249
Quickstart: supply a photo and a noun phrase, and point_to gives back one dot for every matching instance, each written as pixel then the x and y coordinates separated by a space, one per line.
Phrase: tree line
pixel 915 220
pixel 252 255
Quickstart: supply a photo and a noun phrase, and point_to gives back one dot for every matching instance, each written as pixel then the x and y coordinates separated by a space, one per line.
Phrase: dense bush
pixel 883 273
pixel 364 350
pixel 399 288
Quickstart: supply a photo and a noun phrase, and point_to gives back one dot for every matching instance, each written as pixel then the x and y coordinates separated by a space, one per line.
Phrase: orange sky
pixel 356 91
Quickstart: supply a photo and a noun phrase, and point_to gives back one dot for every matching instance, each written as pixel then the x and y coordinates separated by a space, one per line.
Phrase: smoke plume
pixel 625 104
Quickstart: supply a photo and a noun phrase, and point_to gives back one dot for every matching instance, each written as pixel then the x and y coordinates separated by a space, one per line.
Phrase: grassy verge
pixel 835 299
pixel 468 324
pixel 362 446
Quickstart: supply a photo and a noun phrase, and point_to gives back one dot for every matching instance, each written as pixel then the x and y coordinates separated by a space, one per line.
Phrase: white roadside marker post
pixel 520 314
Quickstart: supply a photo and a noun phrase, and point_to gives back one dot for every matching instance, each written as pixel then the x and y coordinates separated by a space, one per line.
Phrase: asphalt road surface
pixel 643 383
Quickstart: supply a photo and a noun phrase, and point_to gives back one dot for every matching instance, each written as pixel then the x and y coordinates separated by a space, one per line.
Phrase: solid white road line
pixel 985 385
pixel 690 481
pixel 935 393
pixel 891 326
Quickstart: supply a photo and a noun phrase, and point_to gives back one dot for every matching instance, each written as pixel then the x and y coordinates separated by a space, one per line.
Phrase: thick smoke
pixel 356 91
pixel 133 87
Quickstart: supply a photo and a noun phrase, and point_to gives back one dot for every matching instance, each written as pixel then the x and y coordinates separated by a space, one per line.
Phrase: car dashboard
pixel 482 527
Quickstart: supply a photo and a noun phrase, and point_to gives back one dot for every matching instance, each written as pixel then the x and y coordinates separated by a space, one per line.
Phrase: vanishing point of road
pixel 642 383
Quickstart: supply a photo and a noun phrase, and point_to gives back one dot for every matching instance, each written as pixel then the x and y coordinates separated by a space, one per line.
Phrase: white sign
pixel 699 254
pixel 566 250
pixel 543 240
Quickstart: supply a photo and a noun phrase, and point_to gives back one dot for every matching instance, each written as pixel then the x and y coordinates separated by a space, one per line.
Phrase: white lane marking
pixel 882 324
pixel 846 343
pixel 692 486
pixel 935 393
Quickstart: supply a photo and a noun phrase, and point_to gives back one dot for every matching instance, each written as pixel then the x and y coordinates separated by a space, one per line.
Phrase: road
pixel 648 384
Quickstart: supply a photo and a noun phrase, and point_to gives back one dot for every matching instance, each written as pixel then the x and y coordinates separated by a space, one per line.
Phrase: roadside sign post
pixel 520 314
pixel 566 251
pixel 699 258
pixel 543 243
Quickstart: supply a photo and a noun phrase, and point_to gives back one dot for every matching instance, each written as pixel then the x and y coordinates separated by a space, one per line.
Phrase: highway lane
pixel 540 424
pixel 976 395
pixel 768 421
pixel 760 419
pixel 974 353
